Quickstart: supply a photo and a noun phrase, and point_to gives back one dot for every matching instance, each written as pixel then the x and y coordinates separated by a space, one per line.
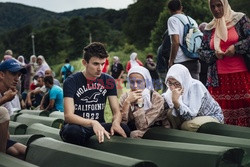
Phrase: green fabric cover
pixel 38 128
pixel 25 139
pixel 14 116
pixel 172 154
pixel 16 128
pixel 57 114
pixel 49 152
pixel 225 130
pixel 36 112
pixel 9 161
pixel 165 134
pixel 31 119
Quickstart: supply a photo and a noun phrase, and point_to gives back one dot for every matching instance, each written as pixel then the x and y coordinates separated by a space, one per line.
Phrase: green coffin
pixel 57 114
pixel 31 119
pixel 35 112
pixel 199 138
pixel 225 130
pixel 16 128
pixel 9 161
pixel 14 116
pixel 38 128
pixel 48 152
pixel 171 154
pixel 25 139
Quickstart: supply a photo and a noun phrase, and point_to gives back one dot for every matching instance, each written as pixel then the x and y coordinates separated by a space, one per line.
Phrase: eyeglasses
pixel 176 84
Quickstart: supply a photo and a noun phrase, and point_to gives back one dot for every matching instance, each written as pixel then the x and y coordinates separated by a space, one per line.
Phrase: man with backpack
pixel 176 24
pixel 66 70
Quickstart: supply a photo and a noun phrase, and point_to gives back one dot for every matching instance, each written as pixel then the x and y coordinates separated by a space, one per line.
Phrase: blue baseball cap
pixel 13 66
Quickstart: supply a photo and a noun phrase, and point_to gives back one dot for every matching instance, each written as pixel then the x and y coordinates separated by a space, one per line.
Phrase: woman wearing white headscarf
pixel 189 100
pixel 42 66
pixel 142 107
pixel 133 61
pixel 225 48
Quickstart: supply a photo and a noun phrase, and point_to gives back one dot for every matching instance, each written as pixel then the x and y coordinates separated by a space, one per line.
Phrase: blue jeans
pixel 77 134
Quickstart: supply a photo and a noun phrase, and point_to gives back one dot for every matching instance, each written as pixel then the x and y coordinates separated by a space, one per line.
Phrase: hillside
pixel 13 15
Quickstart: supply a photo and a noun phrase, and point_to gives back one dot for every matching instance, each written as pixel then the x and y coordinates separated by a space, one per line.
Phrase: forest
pixel 64 35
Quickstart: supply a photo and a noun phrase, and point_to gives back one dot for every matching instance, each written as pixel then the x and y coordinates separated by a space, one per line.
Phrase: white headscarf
pixel 221 25
pixel 149 85
pixel 22 60
pixel 31 57
pixel 43 67
pixel 133 61
pixel 191 103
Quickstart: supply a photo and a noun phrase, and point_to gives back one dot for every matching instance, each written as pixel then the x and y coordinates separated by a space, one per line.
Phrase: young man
pixel 55 95
pixel 85 95
pixel 175 31
pixel 10 71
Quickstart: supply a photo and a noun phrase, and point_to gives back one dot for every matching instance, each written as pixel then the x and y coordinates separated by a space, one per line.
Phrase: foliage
pixel 142 17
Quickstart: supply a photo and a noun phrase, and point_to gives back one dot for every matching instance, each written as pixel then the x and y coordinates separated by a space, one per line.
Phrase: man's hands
pixel 100 131
pixel 10 94
pixel 116 127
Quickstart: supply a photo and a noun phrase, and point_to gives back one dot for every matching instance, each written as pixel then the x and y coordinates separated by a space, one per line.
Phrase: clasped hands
pixel 229 52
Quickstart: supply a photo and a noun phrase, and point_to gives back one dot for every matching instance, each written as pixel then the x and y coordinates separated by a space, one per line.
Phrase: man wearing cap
pixel 10 71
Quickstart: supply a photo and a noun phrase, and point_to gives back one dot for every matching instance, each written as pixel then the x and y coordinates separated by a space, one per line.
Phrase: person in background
pixel 55 95
pixel 42 66
pixel 8 54
pixel 50 73
pixel 142 107
pixel 204 65
pixel 163 53
pixel 10 71
pixel 151 66
pixel 176 31
pixel 67 69
pixel 116 72
pixel 85 95
pixel 134 61
pixel 225 47
pixel 190 103
pixel 33 67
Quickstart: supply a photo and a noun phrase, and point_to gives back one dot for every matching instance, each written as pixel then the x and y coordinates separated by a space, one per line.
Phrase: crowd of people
pixel 184 102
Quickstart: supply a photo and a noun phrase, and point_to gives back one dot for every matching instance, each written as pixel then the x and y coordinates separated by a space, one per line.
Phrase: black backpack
pixel 68 71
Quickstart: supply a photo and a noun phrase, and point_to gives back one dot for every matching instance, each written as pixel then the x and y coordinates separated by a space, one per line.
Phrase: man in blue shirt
pixel 85 95
pixel 55 95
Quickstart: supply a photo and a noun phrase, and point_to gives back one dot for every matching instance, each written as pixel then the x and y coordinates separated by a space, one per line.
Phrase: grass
pixel 108 112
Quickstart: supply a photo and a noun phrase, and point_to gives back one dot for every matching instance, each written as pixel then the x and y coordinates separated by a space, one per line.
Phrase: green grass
pixel 108 112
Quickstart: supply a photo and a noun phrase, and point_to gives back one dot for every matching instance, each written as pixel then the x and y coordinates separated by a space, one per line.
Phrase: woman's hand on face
pixel 219 54
pixel 230 51
pixel 133 96
pixel 176 93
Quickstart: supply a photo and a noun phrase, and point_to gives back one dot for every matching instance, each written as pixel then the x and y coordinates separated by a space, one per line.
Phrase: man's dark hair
pixel 49 79
pixel 67 61
pixel 95 49
pixel 174 5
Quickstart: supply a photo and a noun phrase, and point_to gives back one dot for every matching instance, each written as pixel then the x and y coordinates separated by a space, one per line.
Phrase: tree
pixel 142 17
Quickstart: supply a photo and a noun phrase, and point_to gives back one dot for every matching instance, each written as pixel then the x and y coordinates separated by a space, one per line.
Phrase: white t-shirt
pixel 175 27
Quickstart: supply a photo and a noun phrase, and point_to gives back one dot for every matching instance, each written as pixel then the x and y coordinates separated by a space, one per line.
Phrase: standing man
pixel 176 30
pixel 67 69
pixel 116 72
pixel 85 95
pixel 10 71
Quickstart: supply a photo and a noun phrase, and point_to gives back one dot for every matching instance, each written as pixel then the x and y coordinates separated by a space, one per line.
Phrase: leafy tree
pixel 142 17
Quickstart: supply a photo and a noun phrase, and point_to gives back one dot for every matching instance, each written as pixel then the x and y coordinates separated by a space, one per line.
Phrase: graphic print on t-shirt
pixel 90 95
